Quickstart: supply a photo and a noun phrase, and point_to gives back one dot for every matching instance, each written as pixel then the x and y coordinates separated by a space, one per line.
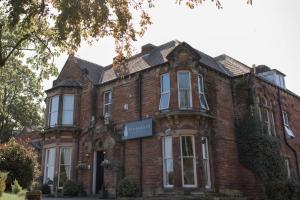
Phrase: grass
pixel 10 196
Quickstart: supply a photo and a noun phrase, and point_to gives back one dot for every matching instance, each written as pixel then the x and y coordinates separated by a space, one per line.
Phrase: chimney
pixel 147 48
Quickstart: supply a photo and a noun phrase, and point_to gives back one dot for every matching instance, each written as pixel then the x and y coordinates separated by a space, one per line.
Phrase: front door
pixel 99 171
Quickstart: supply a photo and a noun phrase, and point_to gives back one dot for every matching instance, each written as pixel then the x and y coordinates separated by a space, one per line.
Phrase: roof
pixel 67 83
pixel 232 66
pixel 93 71
pixel 142 61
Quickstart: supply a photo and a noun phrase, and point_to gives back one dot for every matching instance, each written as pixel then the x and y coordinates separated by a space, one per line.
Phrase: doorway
pixel 99 175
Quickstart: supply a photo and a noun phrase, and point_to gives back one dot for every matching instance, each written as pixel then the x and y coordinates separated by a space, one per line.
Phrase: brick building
pixel 168 124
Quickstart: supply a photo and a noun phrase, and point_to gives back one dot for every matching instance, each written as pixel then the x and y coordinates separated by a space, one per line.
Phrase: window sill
pixel 61 128
pixel 167 113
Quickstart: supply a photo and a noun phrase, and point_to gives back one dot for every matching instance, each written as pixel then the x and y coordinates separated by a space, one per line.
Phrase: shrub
pixel 16 188
pixel 3 176
pixel 20 162
pixel 127 188
pixel 70 188
pixel 283 190
pixel 46 189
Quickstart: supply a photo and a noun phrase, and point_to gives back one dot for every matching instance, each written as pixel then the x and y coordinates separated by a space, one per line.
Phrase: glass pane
pixel 169 173
pixel 168 147
pixel 49 165
pixel 200 83
pixel 67 117
pixel 185 99
pixel 107 97
pixel 188 171
pixel 203 102
pixel 68 102
pixel 65 156
pixel 53 118
pixel 184 80
pixel 107 108
pixel 54 104
pixel 206 172
pixel 187 146
pixel 165 84
pixel 65 165
pixel 164 101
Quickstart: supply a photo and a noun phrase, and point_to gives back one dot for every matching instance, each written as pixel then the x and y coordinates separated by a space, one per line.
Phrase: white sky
pixel 265 33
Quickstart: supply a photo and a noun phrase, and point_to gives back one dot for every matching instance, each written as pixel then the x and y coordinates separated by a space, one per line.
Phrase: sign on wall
pixel 137 129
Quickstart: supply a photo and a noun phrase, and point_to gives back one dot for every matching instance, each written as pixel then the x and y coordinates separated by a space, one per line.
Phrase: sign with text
pixel 137 129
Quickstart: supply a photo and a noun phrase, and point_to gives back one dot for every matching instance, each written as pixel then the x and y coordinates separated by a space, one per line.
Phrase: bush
pixel 70 188
pixel 3 176
pixel 46 189
pixel 20 162
pixel 16 188
pixel 283 190
pixel 126 188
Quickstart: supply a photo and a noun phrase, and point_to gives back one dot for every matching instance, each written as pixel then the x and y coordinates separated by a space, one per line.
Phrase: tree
pixel 66 23
pixel 21 78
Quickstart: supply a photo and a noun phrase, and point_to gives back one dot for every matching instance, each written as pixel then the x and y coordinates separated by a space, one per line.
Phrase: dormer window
pixel 107 102
pixel 53 111
pixel 68 110
pixel 184 90
pixel 202 99
pixel 165 91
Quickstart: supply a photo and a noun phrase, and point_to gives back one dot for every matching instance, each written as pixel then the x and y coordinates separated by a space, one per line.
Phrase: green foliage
pixel 127 188
pixel 46 189
pixel 16 188
pixel 20 162
pixel 283 190
pixel 3 176
pixel 259 152
pixel 70 188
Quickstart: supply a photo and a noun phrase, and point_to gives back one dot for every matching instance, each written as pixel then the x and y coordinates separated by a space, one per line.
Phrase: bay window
pixel 188 161
pixel 184 90
pixel 53 111
pixel 107 102
pixel 168 161
pixel 68 110
pixel 165 91
pixel 49 166
pixel 65 161
pixel 202 99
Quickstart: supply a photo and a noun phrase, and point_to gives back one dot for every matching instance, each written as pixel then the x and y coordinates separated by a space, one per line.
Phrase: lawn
pixel 10 196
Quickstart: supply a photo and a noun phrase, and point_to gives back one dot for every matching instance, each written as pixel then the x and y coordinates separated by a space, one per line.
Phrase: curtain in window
pixel 184 90
pixel 65 165
pixel 168 161
pixel 49 166
pixel 107 102
pixel 206 165
pixel 188 160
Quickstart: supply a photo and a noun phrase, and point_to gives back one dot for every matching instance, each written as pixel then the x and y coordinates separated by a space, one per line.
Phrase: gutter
pixel 285 138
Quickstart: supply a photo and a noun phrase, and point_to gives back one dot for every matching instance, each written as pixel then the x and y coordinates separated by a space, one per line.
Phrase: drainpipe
pixel 139 92
pixel 285 139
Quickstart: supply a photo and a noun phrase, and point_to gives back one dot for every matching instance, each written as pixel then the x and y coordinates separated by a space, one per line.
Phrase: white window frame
pixel 194 163
pixel 201 92
pixel 165 159
pixel 51 112
pixel 48 165
pixel 285 119
pixel 189 89
pixel 65 110
pixel 164 92
pixel 59 164
pixel 108 104
pixel 206 162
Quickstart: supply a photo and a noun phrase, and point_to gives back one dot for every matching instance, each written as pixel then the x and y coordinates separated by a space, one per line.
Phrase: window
pixel 65 161
pixel 287 128
pixel 266 116
pixel 184 90
pixel 188 161
pixel 287 165
pixel 202 99
pixel 165 91
pixel 49 166
pixel 53 111
pixel 206 165
pixel 168 161
pixel 107 102
pixel 68 110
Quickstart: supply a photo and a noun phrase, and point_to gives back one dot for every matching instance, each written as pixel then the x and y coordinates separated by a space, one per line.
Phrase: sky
pixel 268 32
